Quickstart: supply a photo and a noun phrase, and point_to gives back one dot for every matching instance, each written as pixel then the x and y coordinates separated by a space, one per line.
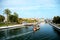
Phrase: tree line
pixel 10 18
pixel 56 19
pixel 13 18
pixel 21 20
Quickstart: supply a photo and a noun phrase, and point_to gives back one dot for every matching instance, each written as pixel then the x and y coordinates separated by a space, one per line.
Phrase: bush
pixel 56 19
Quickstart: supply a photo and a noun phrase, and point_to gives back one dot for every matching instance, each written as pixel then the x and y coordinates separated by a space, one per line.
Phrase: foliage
pixel 7 12
pixel 16 14
pixel 21 20
pixel 13 18
pixel 56 19
pixel 30 21
pixel 2 18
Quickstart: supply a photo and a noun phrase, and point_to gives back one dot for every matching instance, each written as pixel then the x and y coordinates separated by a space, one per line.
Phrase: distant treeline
pixel 13 18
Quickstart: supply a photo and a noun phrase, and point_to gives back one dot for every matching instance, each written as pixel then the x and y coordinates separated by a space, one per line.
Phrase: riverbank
pixel 16 26
pixel 7 24
pixel 11 27
pixel 55 26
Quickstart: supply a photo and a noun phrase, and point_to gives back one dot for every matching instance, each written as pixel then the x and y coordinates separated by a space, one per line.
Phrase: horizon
pixel 32 8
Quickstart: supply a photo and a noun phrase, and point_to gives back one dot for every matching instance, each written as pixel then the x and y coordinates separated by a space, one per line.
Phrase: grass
pixel 5 24
pixel 2 24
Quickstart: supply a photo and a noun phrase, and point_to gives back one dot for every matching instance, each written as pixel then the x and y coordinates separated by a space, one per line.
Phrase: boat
pixel 36 27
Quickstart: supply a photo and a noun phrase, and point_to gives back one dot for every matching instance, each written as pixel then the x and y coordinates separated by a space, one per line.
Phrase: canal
pixel 46 32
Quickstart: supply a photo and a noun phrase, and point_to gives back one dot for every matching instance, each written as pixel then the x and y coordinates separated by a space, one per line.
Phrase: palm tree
pixel 7 12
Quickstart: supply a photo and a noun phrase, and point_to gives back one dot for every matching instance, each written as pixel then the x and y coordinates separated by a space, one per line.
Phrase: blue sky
pixel 32 8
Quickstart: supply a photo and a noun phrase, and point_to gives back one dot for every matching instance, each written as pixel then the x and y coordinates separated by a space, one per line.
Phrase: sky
pixel 32 8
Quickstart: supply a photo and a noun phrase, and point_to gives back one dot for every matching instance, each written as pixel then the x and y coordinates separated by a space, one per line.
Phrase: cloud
pixel 30 7
pixel 21 3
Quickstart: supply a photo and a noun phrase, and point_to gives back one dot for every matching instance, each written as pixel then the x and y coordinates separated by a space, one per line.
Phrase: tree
pixel 7 12
pixel 20 20
pixel 16 14
pixel 56 19
pixel 2 18
pixel 13 18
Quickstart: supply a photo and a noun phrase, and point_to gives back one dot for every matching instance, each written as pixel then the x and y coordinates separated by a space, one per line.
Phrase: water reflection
pixel 46 32
pixel 2 34
pixel 58 33
pixel 14 31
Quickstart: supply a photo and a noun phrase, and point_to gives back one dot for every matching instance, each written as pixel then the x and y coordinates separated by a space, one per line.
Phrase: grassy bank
pixel 2 24
pixel 5 24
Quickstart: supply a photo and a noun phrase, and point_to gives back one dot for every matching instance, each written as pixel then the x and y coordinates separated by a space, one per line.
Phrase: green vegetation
pixel 5 24
pixel 56 19
pixel 30 21
pixel 2 18
pixel 20 20
pixel 2 24
pixel 7 12
pixel 13 19
pixel 15 14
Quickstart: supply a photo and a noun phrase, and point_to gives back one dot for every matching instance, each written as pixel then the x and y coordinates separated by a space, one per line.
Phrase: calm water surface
pixel 46 32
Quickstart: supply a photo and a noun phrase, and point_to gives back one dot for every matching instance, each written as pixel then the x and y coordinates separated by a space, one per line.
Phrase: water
pixel 46 32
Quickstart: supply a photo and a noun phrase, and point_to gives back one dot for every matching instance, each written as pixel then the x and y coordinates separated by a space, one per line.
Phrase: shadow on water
pixel 14 31
pixel 56 31
pixel 26 36
pixel 2 34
